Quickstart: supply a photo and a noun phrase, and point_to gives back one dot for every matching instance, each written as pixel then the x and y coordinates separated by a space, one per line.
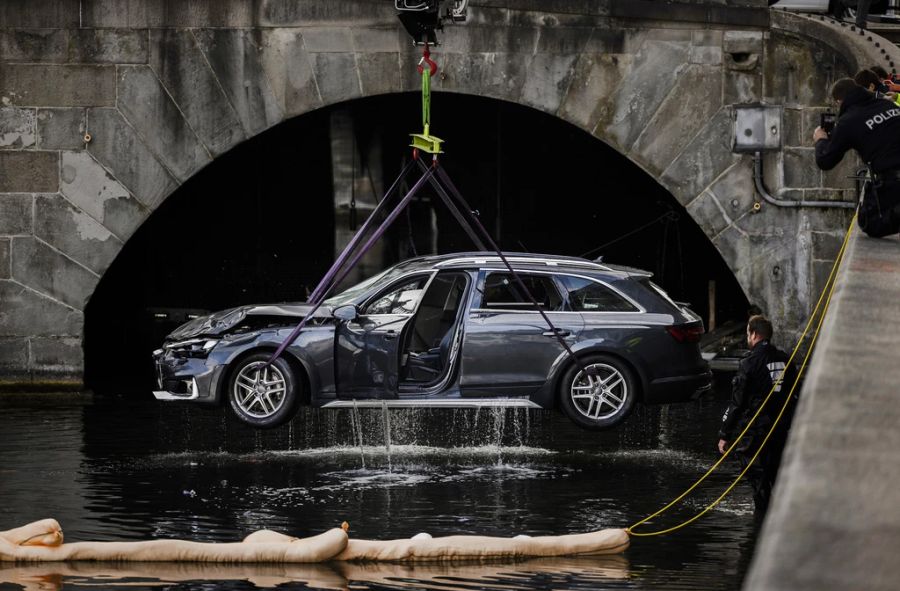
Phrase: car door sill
pixel 446 403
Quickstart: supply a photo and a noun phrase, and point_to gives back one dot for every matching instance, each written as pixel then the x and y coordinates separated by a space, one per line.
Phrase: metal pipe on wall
pixel 764 192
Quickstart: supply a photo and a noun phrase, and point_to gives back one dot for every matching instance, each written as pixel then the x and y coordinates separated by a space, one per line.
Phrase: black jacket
pixel 869 125
pixel 752 384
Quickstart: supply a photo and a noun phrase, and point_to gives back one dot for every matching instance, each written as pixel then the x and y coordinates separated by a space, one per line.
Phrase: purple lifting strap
pixel 386 224
pixel 460 219
pixel 319 292
pixel 442 176
pixel 372 240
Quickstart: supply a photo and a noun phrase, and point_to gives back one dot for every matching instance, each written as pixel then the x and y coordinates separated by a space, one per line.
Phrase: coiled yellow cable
pixel 829 290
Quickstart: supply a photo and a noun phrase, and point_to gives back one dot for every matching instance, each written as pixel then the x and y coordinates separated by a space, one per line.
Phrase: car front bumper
pixel 185 379
pixel 678 388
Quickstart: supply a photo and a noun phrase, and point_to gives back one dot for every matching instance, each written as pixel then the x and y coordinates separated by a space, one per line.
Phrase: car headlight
pixel 217 323
pixel 191 347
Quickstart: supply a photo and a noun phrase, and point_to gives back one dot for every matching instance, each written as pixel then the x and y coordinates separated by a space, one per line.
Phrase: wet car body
pixel 450 330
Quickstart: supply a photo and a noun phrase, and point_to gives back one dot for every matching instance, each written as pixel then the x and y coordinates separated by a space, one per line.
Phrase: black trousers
pixel 879 212
pixel 764 470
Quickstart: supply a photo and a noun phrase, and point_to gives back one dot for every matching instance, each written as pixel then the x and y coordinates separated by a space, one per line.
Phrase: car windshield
pixel 349 295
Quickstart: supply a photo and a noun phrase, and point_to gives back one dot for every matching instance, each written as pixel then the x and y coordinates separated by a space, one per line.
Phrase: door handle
pixel 390 335
pixel 559 331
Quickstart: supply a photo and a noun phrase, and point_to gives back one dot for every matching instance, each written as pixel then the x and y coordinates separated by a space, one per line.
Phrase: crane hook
pixel 426 59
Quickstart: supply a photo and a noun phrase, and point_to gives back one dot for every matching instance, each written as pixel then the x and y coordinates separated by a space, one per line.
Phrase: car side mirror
pixel 346 313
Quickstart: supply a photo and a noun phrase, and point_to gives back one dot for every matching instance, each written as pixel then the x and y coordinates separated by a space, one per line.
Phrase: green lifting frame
pixel 425 141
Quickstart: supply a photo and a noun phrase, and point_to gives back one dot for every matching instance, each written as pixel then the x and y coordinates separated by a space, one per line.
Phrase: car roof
pixel 534 261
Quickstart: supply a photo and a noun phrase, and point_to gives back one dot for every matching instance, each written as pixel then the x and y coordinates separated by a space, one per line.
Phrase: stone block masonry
pixel 52 85
pixel 164 88
pixel 30 171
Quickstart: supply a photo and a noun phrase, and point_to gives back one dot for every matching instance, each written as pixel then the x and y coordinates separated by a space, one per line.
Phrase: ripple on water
pixel 350 452
pixel 683 459
pixel 117 471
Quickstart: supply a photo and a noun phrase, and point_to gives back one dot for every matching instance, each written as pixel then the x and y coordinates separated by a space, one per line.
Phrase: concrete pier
pixel 834 523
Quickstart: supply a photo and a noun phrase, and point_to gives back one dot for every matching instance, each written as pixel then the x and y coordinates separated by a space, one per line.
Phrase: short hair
pixel 866 78
pixel 841 88
pixel 760 325
pixel 880 72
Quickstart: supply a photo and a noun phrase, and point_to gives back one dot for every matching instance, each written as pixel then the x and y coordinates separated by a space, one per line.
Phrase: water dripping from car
pixel 356 425
pixel 386 424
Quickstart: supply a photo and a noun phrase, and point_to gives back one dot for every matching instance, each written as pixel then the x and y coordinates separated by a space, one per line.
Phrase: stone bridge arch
pixel 162 89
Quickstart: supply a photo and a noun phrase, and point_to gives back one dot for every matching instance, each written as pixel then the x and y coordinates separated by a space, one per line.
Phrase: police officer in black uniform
pixel 763 368
pixel 871 126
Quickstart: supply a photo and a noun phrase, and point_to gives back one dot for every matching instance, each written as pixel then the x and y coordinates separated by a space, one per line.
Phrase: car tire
pixel 263 397
pixel 591 405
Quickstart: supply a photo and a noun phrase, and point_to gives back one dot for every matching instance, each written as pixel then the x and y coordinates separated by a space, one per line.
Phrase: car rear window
pixel 661 292
pixel 501 292
pixel 589 296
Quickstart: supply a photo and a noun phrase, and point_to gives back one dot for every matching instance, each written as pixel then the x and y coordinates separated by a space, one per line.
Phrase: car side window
pixel 589 296
pixel 401 298
pixel 502 292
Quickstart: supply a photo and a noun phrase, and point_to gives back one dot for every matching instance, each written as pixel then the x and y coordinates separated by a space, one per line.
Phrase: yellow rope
pixel 828 289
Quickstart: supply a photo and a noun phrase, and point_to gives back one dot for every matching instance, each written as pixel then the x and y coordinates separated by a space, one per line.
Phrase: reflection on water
pixel 556 573
pixel 119 469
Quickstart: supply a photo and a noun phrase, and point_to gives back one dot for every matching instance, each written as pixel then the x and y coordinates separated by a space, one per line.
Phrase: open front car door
pixel 367 343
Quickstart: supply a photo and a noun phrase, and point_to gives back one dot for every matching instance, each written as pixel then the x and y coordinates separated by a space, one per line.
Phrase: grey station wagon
pixel 450 331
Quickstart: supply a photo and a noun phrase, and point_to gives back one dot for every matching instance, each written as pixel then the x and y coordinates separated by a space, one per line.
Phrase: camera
pixel 827 121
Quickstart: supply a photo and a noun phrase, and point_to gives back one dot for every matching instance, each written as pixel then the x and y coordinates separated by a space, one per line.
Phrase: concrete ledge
pixel 40 364
pixel 834 523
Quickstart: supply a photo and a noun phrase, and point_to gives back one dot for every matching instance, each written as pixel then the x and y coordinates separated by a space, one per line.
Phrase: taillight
pixel 686 334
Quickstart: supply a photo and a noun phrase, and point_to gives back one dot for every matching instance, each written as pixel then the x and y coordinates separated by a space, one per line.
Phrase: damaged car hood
pixel 220 322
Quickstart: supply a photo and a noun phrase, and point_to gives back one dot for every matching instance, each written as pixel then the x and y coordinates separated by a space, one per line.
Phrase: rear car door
pixel 508 349
pixel 367 348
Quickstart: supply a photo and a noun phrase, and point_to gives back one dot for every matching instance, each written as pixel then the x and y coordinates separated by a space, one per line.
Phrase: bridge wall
pixel 163 88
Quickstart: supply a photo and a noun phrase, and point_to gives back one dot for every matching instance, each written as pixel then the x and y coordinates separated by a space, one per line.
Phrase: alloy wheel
pixel 259 390
pixel 601 393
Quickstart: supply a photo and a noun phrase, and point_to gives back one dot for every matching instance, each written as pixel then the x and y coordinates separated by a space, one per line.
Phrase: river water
pixel 133 469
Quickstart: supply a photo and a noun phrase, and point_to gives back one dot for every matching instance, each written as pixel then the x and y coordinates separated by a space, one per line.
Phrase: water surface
pixel 126 469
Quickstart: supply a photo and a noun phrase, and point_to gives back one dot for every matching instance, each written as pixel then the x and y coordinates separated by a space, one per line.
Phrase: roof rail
pixel 532 260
